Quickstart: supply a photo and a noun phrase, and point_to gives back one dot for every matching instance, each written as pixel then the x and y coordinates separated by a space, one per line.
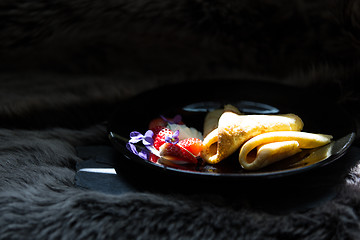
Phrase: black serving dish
pixel 318 110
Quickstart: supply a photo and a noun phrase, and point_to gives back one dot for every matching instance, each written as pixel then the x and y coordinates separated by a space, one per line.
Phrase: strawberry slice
pixel 176 153
pixel 159 136
pixel 193 145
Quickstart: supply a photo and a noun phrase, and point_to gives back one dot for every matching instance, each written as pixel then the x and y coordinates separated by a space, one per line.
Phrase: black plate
pixel 317 109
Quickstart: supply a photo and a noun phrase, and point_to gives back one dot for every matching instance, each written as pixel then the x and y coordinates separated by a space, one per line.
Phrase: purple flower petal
pixel 149 133
pixel 147 141
pixel 131 147
pixel 135 140
pixel 144 154
pixel 136 137
pixel 168 139
pixel 174 139
pixel 164 118
pixel 135 134
pixel 177 119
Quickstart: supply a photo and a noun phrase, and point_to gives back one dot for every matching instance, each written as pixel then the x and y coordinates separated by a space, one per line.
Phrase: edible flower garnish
pixel 174 139
pixel 161 143
pixel 147 141
pixel 144 153
pixel 176 120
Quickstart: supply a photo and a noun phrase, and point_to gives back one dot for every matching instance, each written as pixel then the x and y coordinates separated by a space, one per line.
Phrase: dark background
pixel 59 55
pixel 189 38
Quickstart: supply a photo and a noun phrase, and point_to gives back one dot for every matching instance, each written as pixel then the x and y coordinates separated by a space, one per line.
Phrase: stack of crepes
pixel 262 139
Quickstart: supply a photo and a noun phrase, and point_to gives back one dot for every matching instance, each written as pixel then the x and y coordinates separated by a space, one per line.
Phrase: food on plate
pixel 168 139
pixel 185 151
pixel 160 135
pixel 185 131
pixel 235 129
pixel 212 118
pixel 267 148
pixel 260 139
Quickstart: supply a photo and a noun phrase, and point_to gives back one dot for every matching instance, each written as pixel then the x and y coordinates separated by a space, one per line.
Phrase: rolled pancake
pixel 212 118
pixel 234 129
pixel 274 146
pixel 211 121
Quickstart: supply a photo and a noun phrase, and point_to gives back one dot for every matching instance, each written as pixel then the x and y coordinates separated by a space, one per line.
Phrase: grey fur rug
pixel 65 66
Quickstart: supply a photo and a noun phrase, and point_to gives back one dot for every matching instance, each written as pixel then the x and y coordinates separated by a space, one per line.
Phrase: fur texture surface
pixel 65 65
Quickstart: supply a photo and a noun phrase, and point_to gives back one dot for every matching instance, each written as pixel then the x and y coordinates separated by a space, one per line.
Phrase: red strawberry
pixel 153 158
pixel 156 122
pixel 193 145
pixel 176 153
pixel 156 130
pixel 159 136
